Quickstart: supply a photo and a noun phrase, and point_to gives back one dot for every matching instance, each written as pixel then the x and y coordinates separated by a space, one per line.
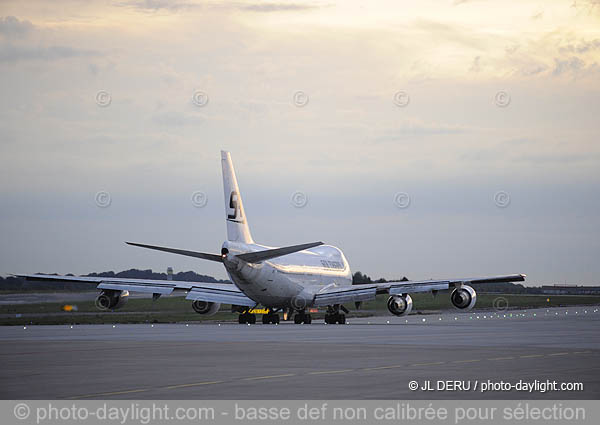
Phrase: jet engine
pixel 400 305
pixel 111 299
pixel 205 307
pixel 464 297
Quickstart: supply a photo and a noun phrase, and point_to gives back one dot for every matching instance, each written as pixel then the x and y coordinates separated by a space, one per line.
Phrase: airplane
pixel 292 279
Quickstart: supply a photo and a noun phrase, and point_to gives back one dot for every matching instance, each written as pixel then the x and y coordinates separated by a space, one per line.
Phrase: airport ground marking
pixel 501 358
pixel 140 390
pixel 383 367
pixel 324 372
pixel 195 384
pixel 531 356
pixel 254 378
pixel 558 354
pixel 427 364
pixel 466 361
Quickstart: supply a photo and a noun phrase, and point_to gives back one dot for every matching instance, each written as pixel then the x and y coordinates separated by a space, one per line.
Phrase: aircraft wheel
pixel 298 319
pixel 341 319
pixel 251 319
pixel 270 318
pixel 242 319
pixel 307 319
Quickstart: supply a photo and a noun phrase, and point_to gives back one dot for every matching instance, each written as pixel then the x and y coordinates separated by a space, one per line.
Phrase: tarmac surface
pixel 369 358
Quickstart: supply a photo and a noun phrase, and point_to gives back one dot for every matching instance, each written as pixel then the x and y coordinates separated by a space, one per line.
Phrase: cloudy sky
pixel 427 139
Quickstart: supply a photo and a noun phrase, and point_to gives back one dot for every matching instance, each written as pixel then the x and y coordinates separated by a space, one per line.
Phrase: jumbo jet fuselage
pixel 289 281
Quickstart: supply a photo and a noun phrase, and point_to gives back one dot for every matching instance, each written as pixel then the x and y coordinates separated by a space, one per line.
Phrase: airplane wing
pixel 203 291
pixel 342 294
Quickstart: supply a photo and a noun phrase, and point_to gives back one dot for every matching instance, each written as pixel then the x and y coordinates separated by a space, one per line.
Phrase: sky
pixel 431 139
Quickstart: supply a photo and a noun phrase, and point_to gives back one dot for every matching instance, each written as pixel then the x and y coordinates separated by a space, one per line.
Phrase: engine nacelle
pixel 400 305
pixel 111 299
pixel 206 308
pixel 464 297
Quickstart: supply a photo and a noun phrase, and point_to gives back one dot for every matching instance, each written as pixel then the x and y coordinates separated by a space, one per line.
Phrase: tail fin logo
pixel 234 204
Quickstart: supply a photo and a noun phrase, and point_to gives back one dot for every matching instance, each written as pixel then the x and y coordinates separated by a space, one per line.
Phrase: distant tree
pixel 359 278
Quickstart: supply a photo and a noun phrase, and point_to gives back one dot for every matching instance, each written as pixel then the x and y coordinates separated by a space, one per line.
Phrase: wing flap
pixel 344 294
pixel 217 295
pixel 152 289
pixel 412 287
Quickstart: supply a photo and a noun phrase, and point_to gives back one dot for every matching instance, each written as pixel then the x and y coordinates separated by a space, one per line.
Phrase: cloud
pixel 533 69
pixel 10 53
pixel 452 33
pixel 582 47
pixel 261 7
pixel 538 15
pixel 13 50
pixel 158 5
pixel 475 67
pixel 414 128
pixel 590 6
pixel 572 65
pixel 12 27
pixel 177 119
pixel 276 7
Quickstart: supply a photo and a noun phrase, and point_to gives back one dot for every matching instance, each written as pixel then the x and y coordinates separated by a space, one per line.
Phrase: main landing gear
pixel 246 317
pixel 302 317
pixel 270 318
pixel 334 316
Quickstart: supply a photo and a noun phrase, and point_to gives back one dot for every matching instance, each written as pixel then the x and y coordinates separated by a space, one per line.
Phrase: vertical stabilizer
pixel 237 224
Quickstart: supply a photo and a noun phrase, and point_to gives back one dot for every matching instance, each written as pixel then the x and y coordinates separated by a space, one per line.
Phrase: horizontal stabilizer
pixel 204 256
pixel 258 256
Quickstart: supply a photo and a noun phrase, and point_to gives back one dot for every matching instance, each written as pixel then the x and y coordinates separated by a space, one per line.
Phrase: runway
pixel 369 358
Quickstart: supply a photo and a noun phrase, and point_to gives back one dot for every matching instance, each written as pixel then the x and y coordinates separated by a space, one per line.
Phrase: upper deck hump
pixel 322 257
